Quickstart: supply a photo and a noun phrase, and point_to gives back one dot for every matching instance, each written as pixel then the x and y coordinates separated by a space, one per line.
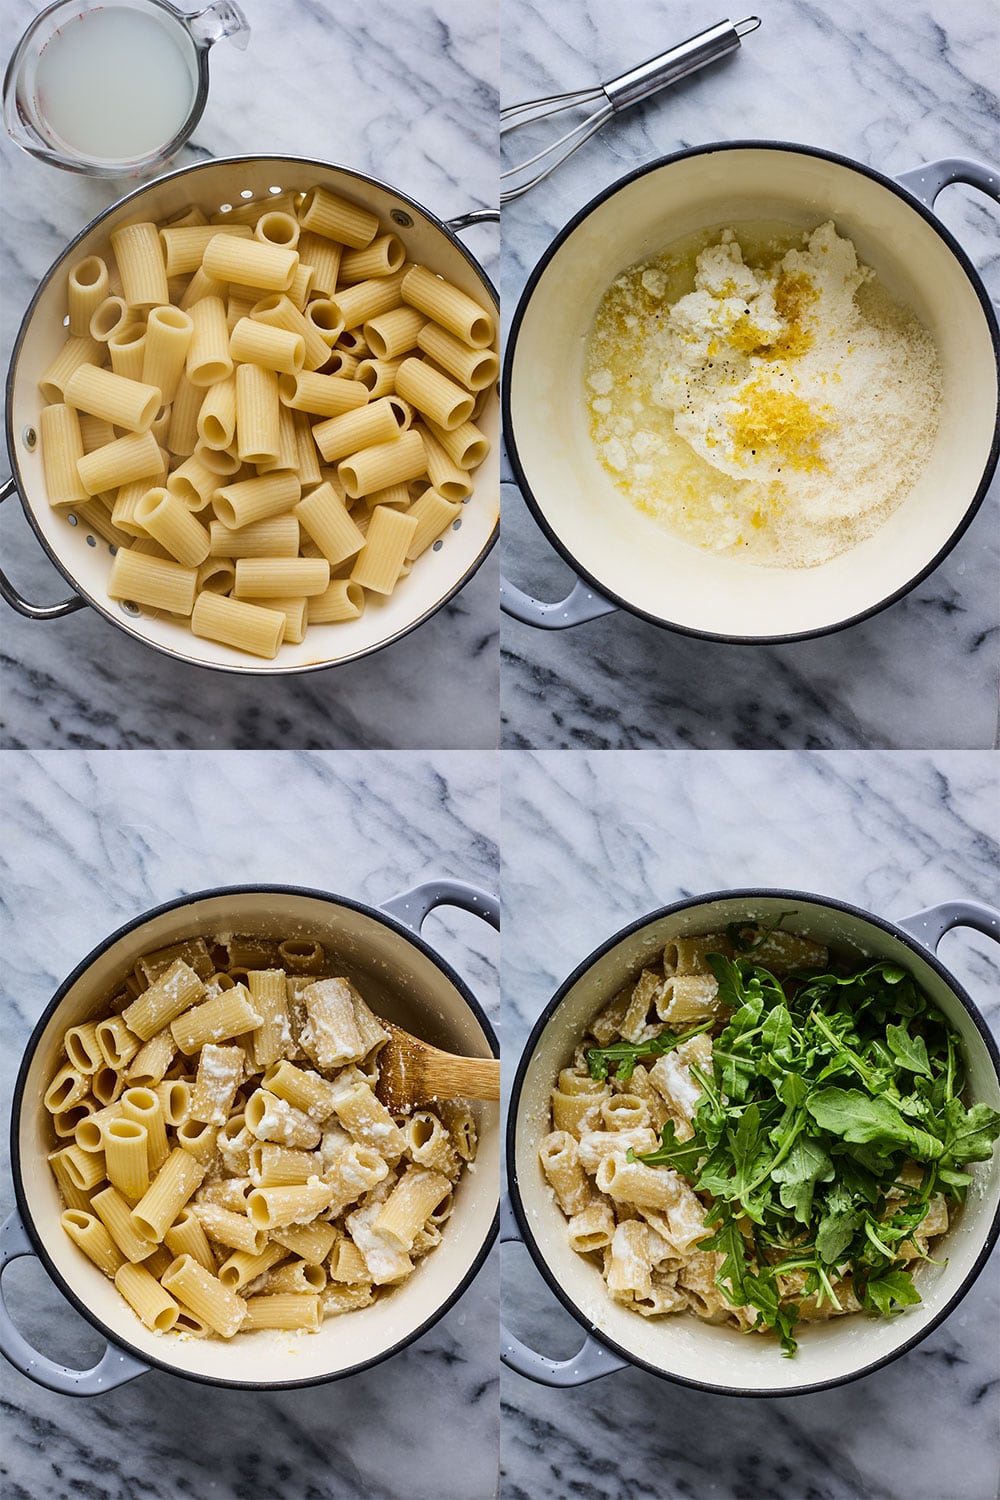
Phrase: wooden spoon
pixel 412 1072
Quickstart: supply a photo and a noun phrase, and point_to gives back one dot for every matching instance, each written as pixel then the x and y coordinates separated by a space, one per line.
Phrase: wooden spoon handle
pixel 457 1077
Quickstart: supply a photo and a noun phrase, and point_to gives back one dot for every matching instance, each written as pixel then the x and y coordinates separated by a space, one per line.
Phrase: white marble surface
pixel 313 82
pixel 93 839
pixel 593 841
pixel 890 87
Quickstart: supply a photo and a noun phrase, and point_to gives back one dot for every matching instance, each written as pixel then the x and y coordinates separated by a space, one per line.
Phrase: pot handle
pixel 929 926
pixel 926 182
pixel 590 1363
pixel 582 603
pixel 412 907
pixel 114 1367
pixel 17 601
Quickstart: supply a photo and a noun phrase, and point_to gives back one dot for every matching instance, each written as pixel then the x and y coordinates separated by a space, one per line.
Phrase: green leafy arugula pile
pixel 821 1088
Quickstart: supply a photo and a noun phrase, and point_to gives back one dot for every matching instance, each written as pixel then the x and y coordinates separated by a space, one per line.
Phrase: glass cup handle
pixel 210 25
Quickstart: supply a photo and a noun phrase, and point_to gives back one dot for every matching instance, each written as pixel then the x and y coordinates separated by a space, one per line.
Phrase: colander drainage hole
pixel 91 541
pixel 72 520
pixel 437 545
pixel 129 608
pixel 455 525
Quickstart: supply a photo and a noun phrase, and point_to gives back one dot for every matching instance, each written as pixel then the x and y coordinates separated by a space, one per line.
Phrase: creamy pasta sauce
pixel 759 392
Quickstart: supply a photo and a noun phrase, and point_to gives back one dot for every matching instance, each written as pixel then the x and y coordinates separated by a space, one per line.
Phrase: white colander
pixel 85 558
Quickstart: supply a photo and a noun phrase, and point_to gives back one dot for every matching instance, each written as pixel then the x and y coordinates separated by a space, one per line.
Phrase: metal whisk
pixel 610 98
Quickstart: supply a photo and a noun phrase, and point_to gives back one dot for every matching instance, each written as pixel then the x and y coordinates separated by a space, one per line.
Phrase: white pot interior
pixel 682 1345
pixel 400 982
pixel 87 558
pixel 629 553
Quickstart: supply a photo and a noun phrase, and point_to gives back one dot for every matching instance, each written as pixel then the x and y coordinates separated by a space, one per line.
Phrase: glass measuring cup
pixel 113 89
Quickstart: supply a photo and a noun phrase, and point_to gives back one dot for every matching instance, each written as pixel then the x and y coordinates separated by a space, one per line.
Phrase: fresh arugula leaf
pixel 910 1052
pixel 805 1165
pixel 969 1133
pixel 856 1117
pixel 623 1056
pixel 747 937
pixel 684 1156
pixel 950 1178
pixel 837 1228
pixel 734 1271
pixel 746 1143
pixel 889 1292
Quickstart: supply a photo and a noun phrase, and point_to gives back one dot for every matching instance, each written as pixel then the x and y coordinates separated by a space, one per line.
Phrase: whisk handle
pixel 667 67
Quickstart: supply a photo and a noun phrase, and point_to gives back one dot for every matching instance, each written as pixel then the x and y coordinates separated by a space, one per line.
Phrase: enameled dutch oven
pixel 403 979
pixel 622 557
pixel 84 559
pixel 682 1347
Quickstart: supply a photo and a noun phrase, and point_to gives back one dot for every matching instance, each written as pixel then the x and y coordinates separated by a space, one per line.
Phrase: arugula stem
pixel 776 1161
pixel 873 1237
pixel 848 1054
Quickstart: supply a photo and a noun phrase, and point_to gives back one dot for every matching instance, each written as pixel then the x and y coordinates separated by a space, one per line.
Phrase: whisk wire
pixel 515 115
pixel 617 94
pixel 552 155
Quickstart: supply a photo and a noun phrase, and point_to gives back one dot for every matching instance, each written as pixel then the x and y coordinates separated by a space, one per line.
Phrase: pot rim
pixel 567 231
pixel 687 903
pixel 58 1280
pixel 249 669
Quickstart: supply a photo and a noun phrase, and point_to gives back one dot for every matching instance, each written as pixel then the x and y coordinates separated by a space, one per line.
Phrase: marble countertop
pixel 407 93
pixel 94 839
pixel 616 835
pixel 859 78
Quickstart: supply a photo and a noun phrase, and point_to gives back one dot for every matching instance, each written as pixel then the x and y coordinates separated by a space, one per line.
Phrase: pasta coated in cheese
pixel 261 1184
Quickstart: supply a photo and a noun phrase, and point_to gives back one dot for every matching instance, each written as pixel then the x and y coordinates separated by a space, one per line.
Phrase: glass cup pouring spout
pixel 223 19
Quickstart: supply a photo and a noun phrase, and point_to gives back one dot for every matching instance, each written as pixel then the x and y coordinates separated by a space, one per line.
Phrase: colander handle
pixel 476 216
pixel 930 925
pixel 412 907
pixel 582 603
pixel 17 601
pixel 590 1363
pixel 112 1369
pixel 927 181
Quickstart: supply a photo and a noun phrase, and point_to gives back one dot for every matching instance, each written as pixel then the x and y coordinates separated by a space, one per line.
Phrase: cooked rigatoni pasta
pixel 139 259
pixel 135 456
pixel 87 285
pixel 288 334
pixel 221 617
pixel 263 1184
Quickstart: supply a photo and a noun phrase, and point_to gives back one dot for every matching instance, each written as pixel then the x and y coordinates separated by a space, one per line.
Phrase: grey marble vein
pixel 593 841
pixel 408 94
pixel 888 89
pixel 89 840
